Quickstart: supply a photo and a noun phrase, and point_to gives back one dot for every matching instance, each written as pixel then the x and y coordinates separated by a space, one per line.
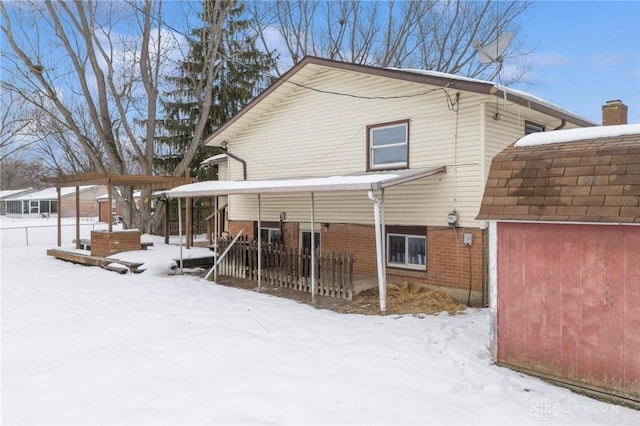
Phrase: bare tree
pixel 17 172
pixel 64 54
pixel 17 125
pixel 434 35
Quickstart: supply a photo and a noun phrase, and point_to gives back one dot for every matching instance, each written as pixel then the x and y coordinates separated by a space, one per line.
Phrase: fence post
pixel 26 230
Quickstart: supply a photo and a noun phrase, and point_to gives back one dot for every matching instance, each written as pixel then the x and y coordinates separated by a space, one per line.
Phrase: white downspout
pixel 382 285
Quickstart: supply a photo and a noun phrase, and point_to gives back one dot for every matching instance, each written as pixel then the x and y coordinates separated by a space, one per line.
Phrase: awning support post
pixel 259 244
pixel 215 238
pixel 59 218
pixel 180 230
pixel 313 250
pixel 77 217
pixel 378 213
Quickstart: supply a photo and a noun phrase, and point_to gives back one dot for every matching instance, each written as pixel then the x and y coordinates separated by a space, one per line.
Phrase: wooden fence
pixel 288 268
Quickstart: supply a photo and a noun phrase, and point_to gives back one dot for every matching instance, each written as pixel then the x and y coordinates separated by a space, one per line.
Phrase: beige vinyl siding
pixel 510 126
pixel 315 133
pixel 321 134
pixel 223 171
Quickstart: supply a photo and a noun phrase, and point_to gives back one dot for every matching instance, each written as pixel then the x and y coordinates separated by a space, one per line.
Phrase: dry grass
pixel 401 299
pixel 411 299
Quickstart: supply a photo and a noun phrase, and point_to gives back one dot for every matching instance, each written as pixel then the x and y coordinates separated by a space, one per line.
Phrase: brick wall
pixel 108 243
pixel 236 225
pixel 88 208
pixel 447 257
pixel 103 215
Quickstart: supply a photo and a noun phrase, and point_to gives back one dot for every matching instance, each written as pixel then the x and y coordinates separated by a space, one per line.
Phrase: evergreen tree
pixel 241 75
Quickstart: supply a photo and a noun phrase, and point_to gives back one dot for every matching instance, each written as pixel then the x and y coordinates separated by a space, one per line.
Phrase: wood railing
pixel 288 268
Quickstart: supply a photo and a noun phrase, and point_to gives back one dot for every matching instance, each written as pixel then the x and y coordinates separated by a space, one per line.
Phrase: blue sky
pixel 584 54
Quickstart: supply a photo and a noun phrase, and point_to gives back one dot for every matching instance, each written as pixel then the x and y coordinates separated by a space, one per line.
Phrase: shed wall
pixel 568 298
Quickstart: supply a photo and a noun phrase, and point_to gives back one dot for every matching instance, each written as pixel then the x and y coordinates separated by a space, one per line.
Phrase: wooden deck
pixel 115 265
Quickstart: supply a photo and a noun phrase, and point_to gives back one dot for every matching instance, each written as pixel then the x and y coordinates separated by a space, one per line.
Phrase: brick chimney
pixel 614 112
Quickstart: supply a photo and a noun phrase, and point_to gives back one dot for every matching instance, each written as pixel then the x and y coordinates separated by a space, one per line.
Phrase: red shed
pixel 564 235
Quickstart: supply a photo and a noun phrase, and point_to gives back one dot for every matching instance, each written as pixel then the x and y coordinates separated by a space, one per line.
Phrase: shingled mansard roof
pixel 577 175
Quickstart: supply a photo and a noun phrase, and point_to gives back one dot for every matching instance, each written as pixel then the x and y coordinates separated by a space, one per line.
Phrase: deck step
pixel 103 262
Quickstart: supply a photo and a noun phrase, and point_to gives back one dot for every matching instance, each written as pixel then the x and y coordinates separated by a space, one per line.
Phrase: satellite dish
pixel 493 51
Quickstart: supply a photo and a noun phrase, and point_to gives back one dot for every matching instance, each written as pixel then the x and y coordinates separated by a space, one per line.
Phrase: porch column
pixel 132 212
pixel 180 231
pixel 215 238
pixel 59 211
pixel 166 221
pixel 259 245
pixel 77 217
pixel 110 206
pixel 313 250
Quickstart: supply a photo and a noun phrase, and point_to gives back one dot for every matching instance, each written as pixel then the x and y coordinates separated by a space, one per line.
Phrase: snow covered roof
pixel 504 89
pixel 302 74
pixel 572 135
pixel 136 194
pixel 581 175
pixel 51 193
pixel 365 182
pixel 215 159
pixel 10 193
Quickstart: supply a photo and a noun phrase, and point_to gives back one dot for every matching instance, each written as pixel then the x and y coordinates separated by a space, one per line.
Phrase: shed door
pixel 569 302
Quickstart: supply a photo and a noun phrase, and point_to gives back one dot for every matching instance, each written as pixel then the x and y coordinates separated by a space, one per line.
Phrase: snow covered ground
pixel 85 346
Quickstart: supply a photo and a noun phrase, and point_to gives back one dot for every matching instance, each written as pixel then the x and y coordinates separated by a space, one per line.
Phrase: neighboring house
pixel 564 211
pixel 116 208
pixel 8 194
pixel 45 202
pixel 325 118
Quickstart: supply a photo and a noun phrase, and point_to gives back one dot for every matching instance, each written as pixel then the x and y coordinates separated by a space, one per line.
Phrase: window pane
pixel 306 240
pixel 389 135
pixel 532 128
pixel 389 155
pixel 417 251
pixel 274 236
pixel 396 249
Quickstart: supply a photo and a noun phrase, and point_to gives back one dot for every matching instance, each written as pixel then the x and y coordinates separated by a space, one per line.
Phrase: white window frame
pixel 371 148
pixel 34 208
pixel 406 264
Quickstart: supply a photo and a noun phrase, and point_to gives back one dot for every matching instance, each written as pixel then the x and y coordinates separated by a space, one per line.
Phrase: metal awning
pixel 373 181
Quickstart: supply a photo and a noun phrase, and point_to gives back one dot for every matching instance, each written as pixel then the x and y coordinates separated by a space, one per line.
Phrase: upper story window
pixel 531 127
pixel 388 146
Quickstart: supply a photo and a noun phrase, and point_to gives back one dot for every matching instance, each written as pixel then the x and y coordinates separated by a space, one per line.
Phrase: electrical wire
pixel 451 104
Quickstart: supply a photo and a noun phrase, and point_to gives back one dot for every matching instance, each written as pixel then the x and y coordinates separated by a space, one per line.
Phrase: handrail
pixel 219 259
